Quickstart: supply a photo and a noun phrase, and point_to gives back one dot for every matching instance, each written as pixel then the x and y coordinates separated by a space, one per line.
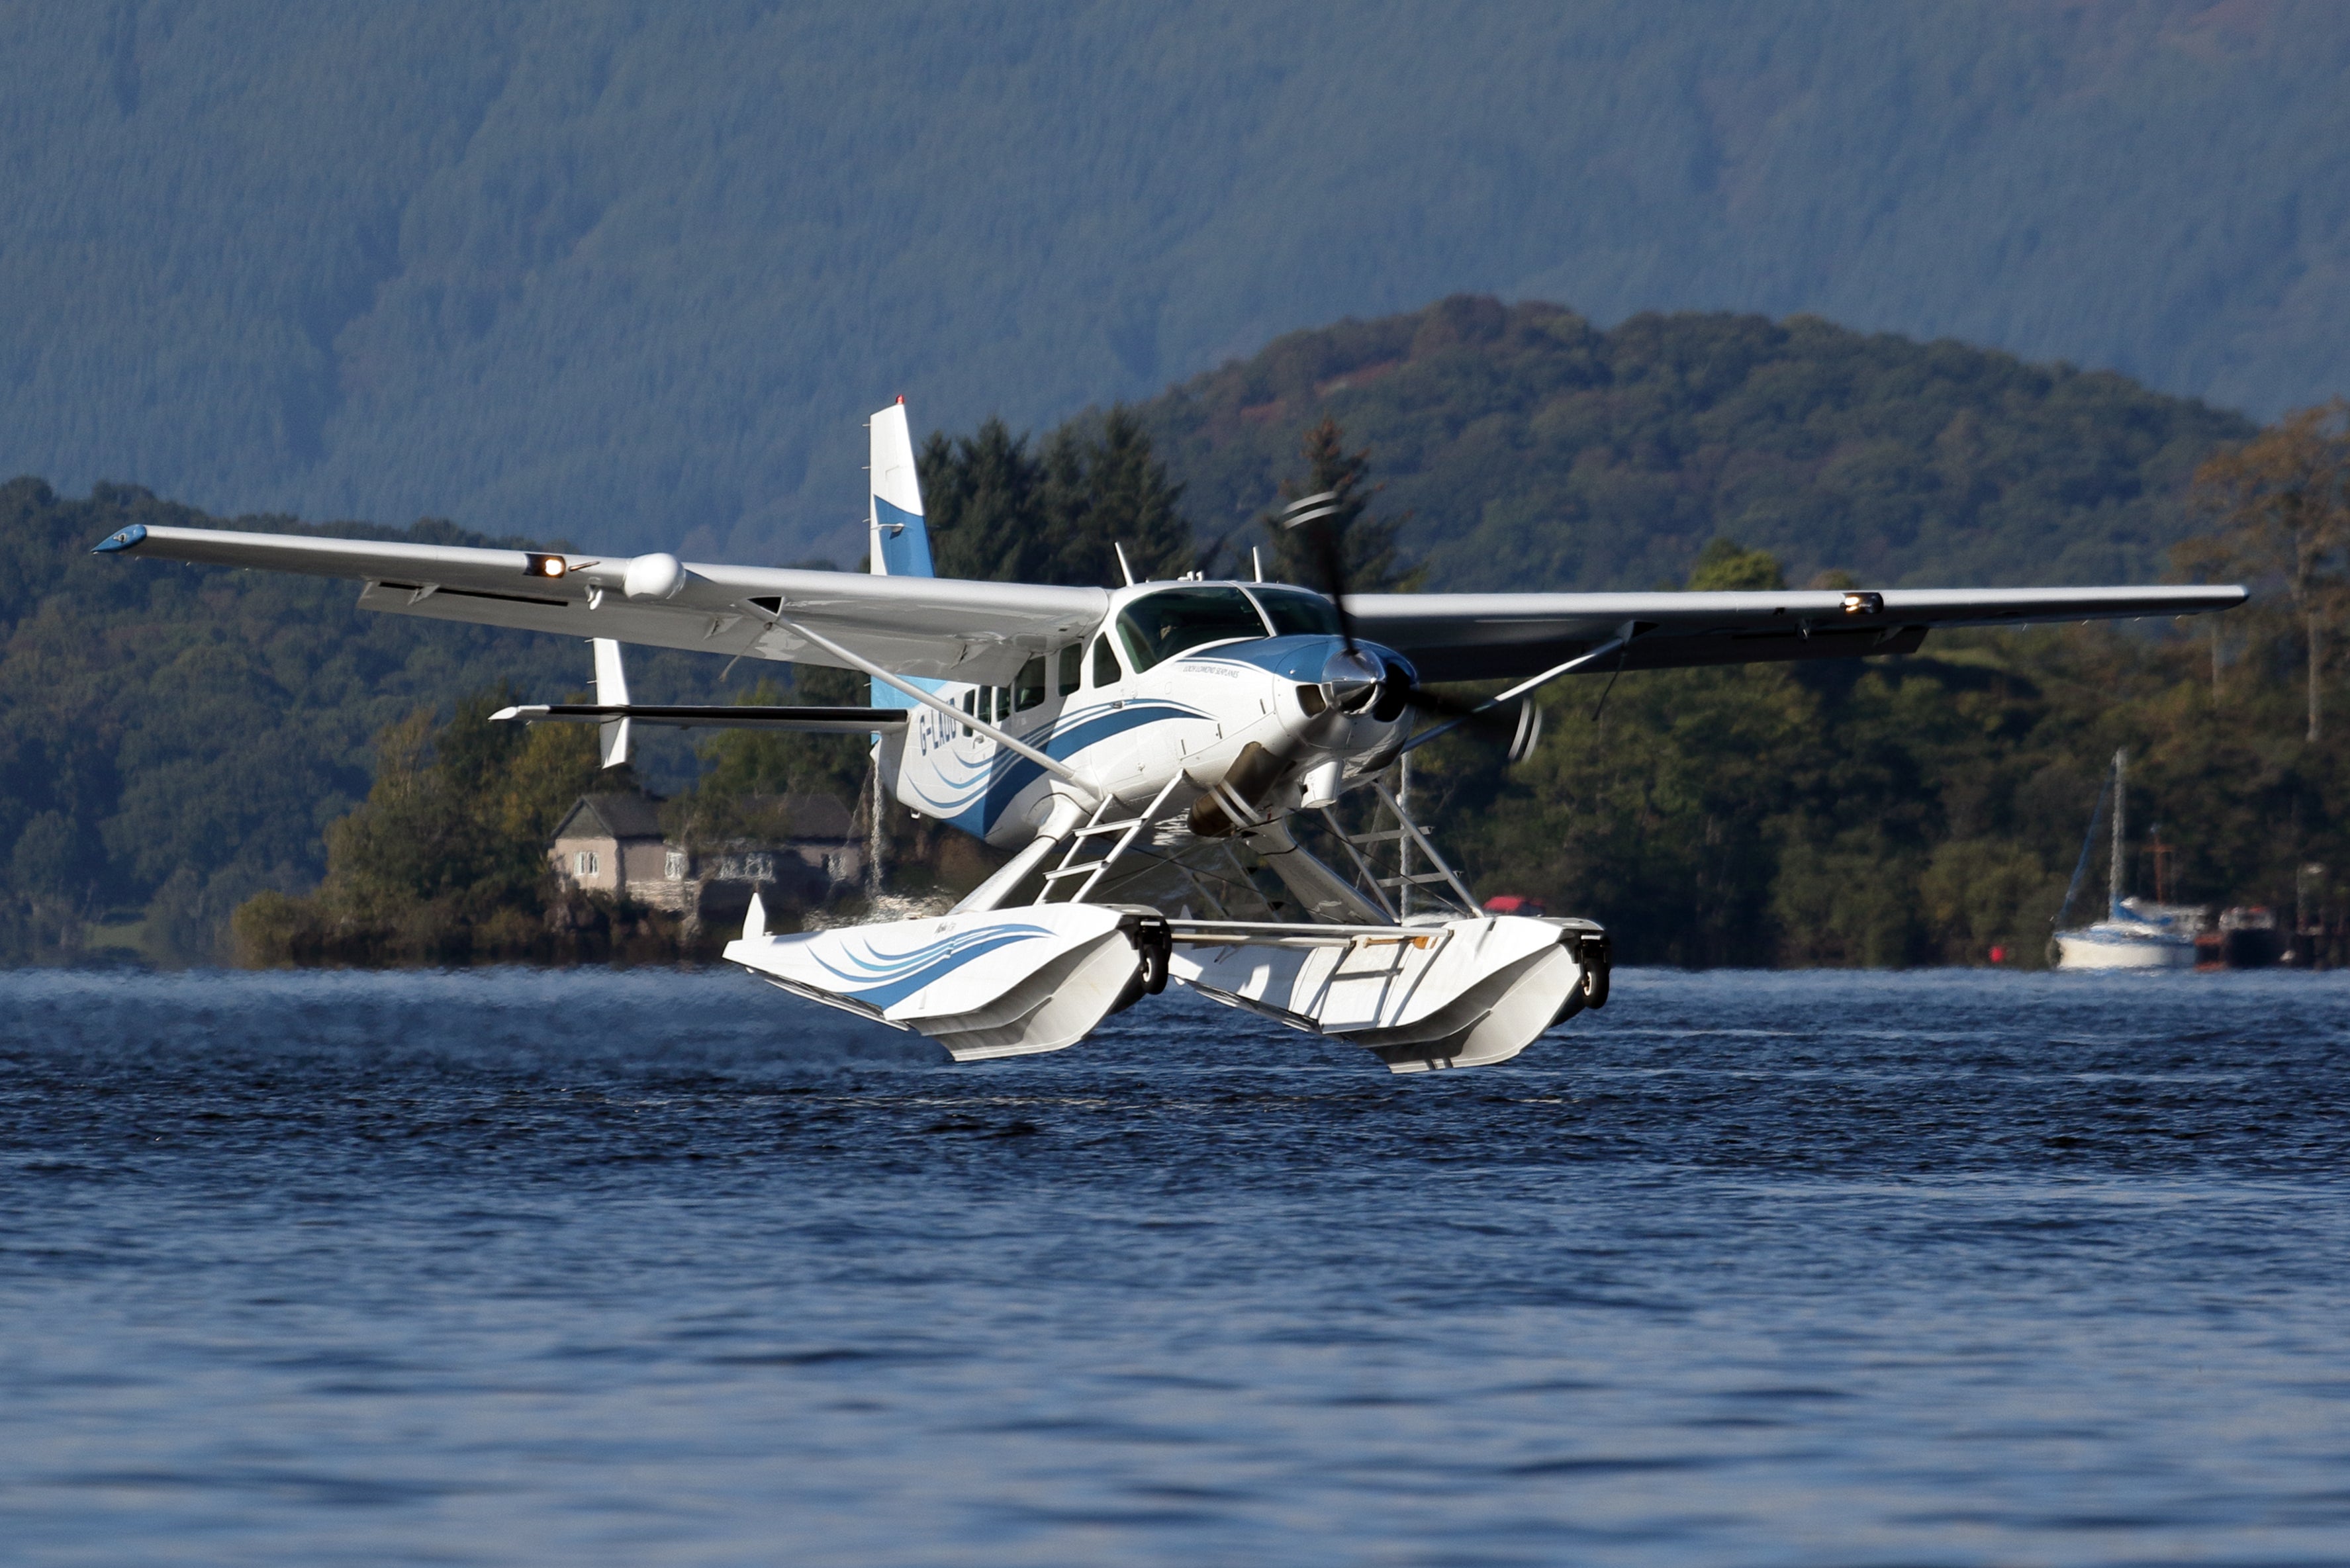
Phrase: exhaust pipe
pixel 1235 800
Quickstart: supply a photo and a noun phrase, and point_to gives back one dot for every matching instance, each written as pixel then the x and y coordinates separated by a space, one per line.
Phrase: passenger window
pixel 1105 663
pixel 1028 690
pixel 1073 659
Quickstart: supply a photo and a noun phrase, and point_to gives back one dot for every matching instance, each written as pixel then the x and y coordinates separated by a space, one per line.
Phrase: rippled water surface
pixel 665 1268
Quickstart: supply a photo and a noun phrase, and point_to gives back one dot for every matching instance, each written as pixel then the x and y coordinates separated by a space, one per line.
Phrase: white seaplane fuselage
pixel 1210 710
pixel 1182 720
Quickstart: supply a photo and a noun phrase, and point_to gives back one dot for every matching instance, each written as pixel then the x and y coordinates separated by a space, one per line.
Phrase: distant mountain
pixel 634 273
pixel 1531 450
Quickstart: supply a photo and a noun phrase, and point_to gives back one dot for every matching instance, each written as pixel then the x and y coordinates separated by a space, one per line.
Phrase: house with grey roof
pixel 616 844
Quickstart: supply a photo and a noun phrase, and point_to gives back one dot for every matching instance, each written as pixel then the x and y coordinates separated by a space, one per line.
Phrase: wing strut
pixel 1051 765
pixel 715 716
pixel 1622 640
pixel 614 713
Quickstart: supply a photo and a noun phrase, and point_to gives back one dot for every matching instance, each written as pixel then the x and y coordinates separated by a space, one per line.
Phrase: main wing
pixel 1480 636
pixel 982 632
pixel 930 626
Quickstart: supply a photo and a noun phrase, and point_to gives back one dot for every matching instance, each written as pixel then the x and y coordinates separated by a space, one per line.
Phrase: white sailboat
pixel 2132 935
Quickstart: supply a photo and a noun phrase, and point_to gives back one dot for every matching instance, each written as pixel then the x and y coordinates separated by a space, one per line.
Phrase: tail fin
pixel 900 543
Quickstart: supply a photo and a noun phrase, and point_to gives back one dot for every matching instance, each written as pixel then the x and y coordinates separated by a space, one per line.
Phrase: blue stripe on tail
pixel 904 542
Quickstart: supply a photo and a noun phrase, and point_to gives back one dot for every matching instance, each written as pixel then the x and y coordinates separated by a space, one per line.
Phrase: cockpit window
pixel 1296 613
pixel 1160 626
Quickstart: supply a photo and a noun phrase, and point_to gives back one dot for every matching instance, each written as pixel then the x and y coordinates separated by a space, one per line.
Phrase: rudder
pixel 900 543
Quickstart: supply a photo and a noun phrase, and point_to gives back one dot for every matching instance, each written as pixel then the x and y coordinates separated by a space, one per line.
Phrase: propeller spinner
pixel 1357 679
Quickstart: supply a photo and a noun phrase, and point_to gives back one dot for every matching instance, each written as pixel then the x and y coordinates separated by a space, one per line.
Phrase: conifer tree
pixel 999 512
pixel 981 502
pixel 1366 544
pixel 1124 499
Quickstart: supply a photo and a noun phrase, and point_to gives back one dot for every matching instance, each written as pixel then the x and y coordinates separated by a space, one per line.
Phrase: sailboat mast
pixel 2114 891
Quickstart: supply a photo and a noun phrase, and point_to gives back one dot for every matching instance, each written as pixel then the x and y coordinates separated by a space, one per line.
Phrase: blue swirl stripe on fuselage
pixel 981 797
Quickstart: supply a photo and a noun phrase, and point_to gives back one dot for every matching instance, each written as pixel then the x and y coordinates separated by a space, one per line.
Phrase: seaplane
pixel 1195 779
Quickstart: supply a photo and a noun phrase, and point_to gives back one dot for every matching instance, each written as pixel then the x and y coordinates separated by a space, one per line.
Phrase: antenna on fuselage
pixel 1257 562
pixel 1126 570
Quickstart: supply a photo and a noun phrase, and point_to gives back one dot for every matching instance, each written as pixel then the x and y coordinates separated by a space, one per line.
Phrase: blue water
pixel 660 1268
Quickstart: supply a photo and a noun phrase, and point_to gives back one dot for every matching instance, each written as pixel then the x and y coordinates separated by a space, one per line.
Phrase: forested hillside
pixel 1524 447
pixel 177 739
pixel 174 738
pixel 634 273
pixel 1918 810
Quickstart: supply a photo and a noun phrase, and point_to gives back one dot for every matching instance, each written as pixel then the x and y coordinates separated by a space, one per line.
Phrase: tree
pixel 2207 558
pixel 2283 500
pixel 984 506
pixel 1108 489
pixel 745 770
pixel 446 859
pixel 1365 545
pixel 999 512
pixel 1726 565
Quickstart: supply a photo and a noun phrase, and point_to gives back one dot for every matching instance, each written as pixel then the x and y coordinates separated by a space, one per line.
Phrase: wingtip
pixel 127 539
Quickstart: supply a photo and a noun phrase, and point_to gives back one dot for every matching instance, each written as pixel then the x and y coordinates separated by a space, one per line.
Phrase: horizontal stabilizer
pixel 721 716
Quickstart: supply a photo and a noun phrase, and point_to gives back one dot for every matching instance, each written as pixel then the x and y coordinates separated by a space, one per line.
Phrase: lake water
pixel 668 1268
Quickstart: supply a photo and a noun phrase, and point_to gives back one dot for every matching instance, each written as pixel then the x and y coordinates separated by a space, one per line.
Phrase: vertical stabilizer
pixel 902 545
pixel 611 691
pixel 899 544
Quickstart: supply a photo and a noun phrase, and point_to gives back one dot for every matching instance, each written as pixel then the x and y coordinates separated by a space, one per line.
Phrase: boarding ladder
pixel 1100 826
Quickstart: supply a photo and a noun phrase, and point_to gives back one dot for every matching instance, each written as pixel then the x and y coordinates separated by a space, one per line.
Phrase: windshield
pixel 1296 613
pixel 1162 625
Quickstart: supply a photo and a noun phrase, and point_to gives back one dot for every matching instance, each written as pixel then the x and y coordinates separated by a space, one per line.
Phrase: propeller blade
pixel 1497 724
pixel 1529 734
pixel 1313 514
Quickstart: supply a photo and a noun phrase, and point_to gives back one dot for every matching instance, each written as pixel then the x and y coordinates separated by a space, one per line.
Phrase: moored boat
pixel 2134 934
pixel 2126 943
